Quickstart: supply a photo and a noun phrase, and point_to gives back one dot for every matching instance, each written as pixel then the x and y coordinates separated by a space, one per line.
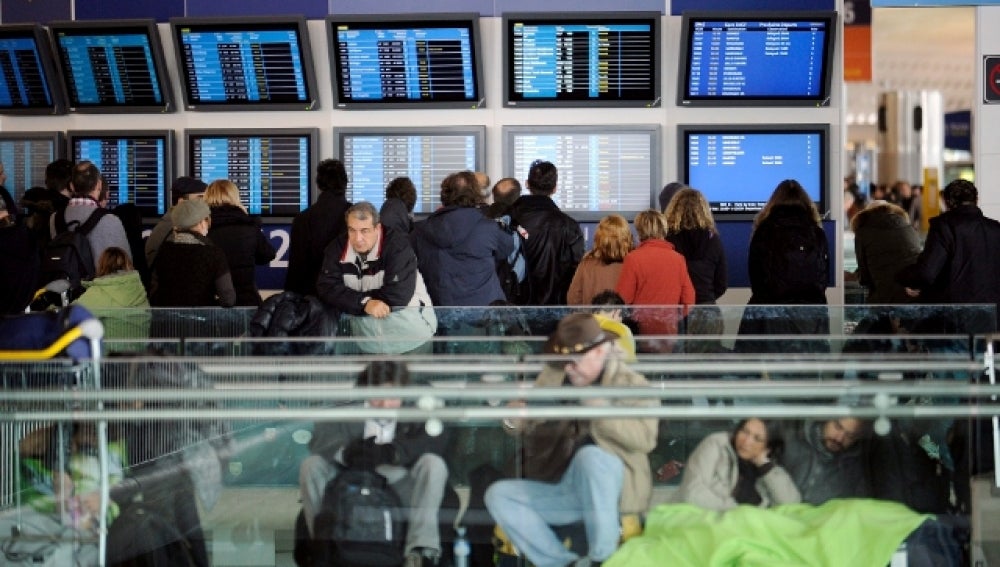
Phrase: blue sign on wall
pixel 40 11
pixel 679 6
pixel 958 130
pixel 161 10
pixel 309 8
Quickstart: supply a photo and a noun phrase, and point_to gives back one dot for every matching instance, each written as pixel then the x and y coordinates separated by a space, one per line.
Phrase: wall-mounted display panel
pixel 137 165
pixel 247 63
pixel 25 155
pixel 375 156
pixel 581 59
pixel 112 66
pixel 756 58
pixel 405 61
pixel 737 167
pixel 272 168
pixel 602 168
pixel 29 83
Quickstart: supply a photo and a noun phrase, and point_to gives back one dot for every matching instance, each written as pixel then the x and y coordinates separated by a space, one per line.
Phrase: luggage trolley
pixel 42 351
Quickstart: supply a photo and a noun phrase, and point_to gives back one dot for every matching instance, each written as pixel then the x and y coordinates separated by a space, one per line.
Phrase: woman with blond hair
pixel 655 274
pixel 240 238
pixel 600 267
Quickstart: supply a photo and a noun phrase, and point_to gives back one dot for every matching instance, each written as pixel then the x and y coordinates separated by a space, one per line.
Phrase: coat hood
pixel 121 289
pixel 224 215
pixel 451 226
pixel 880 215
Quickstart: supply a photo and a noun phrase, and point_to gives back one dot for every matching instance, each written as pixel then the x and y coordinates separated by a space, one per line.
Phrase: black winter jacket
pixel 553 247
pixel 768 265
pixel 706 262
pixel 289 314
pixel 245 246
pixel 884 243
pixel 312 230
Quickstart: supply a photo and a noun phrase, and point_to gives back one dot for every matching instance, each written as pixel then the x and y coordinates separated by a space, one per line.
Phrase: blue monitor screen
pixel 374 157
pixel 137 166
pixel 737 168
pixel 24 157
pixel 271 169
pixel 257 62
pixel 26 73
pixel 581 58
pixel 766 58
pixel 407 61
pixel 116 66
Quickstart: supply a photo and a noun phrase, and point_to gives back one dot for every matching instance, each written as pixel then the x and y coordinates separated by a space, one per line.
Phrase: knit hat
pixel 577 333
pixel 189 213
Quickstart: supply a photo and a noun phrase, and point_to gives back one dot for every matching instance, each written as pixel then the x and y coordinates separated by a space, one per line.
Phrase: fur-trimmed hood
pixel 880 214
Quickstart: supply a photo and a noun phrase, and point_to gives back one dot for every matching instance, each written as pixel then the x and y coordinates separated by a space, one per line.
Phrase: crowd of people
pixel 383 273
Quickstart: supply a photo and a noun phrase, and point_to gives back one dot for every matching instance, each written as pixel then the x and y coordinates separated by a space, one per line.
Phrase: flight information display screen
pixel 114 66
pixel 137 167
pixel 25 155
pixel 260 62
pixel 778 58
pixel 386 60
pixel 271 168
pixel 582 58
pixel 26 72
pixel 602 169
pixel 737 168
pixel 374 157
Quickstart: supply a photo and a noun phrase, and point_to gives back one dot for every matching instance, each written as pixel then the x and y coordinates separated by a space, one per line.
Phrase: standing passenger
pixel 190 270
pixel 317 226
pixel 240 237
pixel 601 266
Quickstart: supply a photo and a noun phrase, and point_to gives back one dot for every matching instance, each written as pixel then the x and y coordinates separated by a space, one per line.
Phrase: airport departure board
pixel 374 157
pixel 27 72
pixel 272 169
pixel 25 155
pixel 582 58
pixel 385 61
pixel 137 166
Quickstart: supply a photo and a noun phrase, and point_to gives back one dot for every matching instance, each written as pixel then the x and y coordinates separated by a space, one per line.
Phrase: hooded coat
pixel 458 250
pixel 884 243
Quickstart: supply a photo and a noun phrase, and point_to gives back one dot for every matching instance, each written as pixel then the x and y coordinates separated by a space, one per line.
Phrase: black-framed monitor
pixel 29 83
pixel 375 156
pixel 112 66
pixel 245 63
pixel 756 58
pixel 581 59
pixel 737 167
pixel 137 165
pixel 603 169
pixel 405 61
pixel 25 155
pixel 272 167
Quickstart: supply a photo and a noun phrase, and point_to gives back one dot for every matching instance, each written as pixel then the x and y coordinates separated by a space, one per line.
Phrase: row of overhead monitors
pixel 417 61
pixel 602 168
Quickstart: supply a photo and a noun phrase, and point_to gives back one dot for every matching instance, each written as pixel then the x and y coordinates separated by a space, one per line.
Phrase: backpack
pixel 361 522
pixel 68 256
pixel 512 271
pixel 801 266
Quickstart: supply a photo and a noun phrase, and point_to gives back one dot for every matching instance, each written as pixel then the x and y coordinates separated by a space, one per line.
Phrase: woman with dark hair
pixel 789 265
pixel 728 469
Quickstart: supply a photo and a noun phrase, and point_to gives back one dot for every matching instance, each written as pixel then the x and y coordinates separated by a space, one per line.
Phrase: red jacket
pixel 655 274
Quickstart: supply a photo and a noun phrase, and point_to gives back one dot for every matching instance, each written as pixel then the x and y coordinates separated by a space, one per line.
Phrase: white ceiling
pixel 916 49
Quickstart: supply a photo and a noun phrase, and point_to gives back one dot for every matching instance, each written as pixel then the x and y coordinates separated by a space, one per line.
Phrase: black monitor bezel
pixel 169 156
pixel 312 134
pixel 468 20
pixel 684 64
pixel 48 68
pixel 509 18
pixel 683 170
pixel 108 27
pixel 477 132
pixel 508 134
pixel 247 23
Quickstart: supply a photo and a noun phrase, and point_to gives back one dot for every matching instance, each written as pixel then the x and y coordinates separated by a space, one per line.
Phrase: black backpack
pixel 68 256
pixel 361 522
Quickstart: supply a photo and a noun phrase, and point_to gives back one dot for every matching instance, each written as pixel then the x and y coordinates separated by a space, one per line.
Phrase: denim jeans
pixel 588 491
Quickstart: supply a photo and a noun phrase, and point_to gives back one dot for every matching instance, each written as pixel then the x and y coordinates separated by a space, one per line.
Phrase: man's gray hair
pixel 362 211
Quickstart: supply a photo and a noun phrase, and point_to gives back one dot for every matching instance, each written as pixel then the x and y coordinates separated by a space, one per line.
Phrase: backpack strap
pixel 59 218
pixel 95 217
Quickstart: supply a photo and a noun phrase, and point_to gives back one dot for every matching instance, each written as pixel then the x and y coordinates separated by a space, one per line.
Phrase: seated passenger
pixel 728 469
pixel 410 459
pixel 826 460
